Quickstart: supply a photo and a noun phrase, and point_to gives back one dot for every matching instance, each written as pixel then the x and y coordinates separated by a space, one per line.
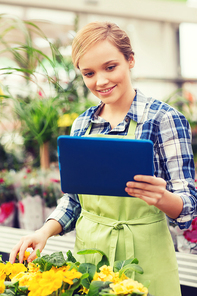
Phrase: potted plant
pixel 42 98
pixel 37 193
pixel 55 275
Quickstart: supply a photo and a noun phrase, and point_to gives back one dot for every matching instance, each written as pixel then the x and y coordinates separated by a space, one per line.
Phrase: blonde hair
pixel 99 31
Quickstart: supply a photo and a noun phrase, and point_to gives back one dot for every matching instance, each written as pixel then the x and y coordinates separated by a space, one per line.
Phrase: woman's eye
pixel 89 74
pixel 110 68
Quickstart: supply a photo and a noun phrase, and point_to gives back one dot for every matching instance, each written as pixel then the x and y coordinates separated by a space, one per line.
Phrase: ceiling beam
pixel 165 11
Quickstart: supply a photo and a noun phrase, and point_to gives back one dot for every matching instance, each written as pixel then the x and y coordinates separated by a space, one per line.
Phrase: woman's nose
pixel 101 80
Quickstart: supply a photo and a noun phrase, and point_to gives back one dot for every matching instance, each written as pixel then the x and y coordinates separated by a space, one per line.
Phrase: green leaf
pixel 118 265
pixel 96 287
pixel 137 293
pixel 147 283
pixel 90 251
pixel 73 265
pixel 104 260
pixel 70 257
pixel 128 270
pixel 38 253
pixel 46 262
pixel 90 269
pixel 106 292
pixel 76 284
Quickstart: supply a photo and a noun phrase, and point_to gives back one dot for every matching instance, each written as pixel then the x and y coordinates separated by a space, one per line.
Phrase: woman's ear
pixel 131 61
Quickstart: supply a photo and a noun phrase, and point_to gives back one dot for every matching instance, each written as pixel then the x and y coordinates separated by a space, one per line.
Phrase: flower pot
pixel 30 212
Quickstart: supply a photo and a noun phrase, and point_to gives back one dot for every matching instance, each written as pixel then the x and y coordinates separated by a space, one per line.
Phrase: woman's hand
pixel 148 188
pixel 153 191
pixel 36 241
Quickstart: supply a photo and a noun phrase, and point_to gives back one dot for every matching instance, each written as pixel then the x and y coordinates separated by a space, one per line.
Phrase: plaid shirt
pixel 173 157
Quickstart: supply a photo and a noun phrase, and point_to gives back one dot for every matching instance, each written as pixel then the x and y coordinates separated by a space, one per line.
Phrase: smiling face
pixel 106 72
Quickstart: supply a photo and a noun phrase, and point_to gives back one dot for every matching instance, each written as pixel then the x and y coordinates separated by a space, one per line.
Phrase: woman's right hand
pixel 36 241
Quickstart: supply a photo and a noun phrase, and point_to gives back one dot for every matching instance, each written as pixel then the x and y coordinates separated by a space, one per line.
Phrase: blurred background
pixel 41 93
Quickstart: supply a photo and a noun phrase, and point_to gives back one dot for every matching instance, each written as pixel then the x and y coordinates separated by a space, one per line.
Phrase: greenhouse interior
pixel 42 93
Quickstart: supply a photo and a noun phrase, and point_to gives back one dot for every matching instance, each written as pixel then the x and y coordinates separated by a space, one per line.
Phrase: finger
pixel 150 179
pixel 32 256
pixel 141 192
pixel 22 250
pixel 150 200
pixel 14 252
pixel 40 247
pixel 142 186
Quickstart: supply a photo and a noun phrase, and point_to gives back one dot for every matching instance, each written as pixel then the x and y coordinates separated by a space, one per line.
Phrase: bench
pixel 10 236
pixel 187 263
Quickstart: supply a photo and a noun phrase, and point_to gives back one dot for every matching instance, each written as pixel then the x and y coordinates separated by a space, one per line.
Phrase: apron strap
pixel 122 225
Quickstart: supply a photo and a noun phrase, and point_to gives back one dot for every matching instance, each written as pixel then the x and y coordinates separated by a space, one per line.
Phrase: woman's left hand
pixel 148 188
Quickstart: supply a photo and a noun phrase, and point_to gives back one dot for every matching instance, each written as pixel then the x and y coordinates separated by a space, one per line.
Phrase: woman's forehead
pixel 102 52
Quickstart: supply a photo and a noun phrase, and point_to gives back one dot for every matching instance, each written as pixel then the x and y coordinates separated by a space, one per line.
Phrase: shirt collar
pixel 135 112
pixel 138 106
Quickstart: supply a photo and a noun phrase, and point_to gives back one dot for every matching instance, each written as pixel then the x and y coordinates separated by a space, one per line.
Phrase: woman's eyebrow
pixel 104 64
pixel 108 62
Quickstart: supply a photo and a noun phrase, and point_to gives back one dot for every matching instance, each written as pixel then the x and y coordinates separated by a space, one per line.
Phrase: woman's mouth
pixel 106 91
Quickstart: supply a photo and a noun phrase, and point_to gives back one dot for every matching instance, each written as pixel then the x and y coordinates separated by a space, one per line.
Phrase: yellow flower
pixel 106 274
pixel 13 269
pixel 62 268
pixel 67 119
pixel 23 278
pixel 2 286
pixel 26 255
pixel 128 286
pixel 2 271
pixel 84 290
pixel 49 282
pixel 1 93
pixel 70 275
pixel 33 267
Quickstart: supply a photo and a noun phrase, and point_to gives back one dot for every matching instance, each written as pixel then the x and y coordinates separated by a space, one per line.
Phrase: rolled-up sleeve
pixel 177 164
pixel 67 212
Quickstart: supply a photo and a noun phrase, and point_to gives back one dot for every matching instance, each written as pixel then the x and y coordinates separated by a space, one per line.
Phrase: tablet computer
pixel 102 165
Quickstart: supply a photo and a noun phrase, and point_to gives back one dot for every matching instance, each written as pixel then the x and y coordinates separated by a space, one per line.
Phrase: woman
pixel 127 227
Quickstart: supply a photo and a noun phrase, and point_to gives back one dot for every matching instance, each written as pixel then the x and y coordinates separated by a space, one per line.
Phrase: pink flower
pixel 2 180
pixel 55 180
pixel 194 224
pixel 40 93
pixel 21 207
pixel 6 210
pixel 191 235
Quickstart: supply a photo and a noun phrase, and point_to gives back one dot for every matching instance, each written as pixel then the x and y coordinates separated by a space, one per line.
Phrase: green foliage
pixel 47 261
pixel 97 286
pixel 118 265
pixel 86 280
pixel 70 257
pixel 41 97
pixel 104 260
pixel 90 269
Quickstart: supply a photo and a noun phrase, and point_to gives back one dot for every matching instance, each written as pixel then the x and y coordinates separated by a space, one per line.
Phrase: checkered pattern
pixel 173 157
